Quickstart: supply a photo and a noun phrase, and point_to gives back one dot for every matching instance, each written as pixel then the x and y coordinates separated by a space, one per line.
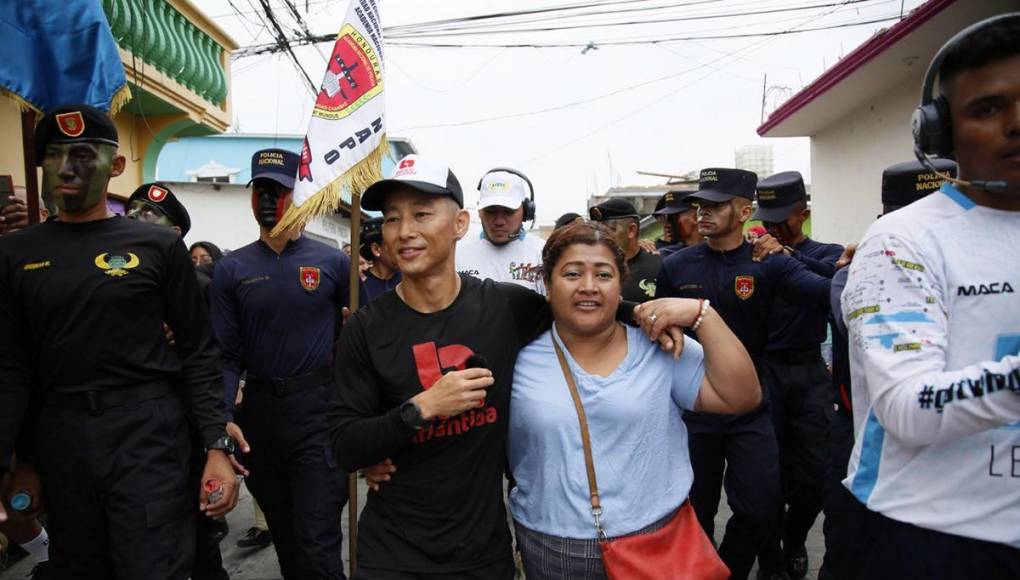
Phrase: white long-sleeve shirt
pixel 933 310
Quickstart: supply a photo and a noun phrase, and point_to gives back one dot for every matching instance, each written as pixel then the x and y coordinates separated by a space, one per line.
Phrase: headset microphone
pixel 991 186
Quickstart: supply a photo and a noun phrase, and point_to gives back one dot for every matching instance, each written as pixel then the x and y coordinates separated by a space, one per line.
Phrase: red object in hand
pixel 215 489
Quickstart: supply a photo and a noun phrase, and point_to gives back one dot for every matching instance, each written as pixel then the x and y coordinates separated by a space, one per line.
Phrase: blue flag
pixel 59 52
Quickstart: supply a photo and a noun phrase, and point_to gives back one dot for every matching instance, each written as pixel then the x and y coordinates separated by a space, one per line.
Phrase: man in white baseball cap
pixel 504 251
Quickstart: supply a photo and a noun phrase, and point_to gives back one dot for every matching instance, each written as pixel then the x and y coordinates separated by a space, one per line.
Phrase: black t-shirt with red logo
pixel 443 510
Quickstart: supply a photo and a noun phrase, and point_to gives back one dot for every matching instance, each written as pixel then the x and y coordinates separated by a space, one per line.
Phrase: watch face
pixel 409 414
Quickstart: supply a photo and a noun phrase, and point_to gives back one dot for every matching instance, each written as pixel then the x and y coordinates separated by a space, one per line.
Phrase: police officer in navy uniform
pixel 642 266
pixel 155 203
pixel 902 185
pixel 801 395
pixel 83 300
pixel 383 276
pixel 276 306
pixel 738 451
pixel 679 223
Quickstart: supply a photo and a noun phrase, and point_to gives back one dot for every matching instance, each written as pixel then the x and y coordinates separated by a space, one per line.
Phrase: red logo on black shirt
pixel 432 363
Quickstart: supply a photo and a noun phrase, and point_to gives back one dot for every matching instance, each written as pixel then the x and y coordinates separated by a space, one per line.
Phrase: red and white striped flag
pixel 347 134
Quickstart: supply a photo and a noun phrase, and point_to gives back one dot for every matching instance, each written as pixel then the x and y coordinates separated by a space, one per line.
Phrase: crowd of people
pixel 517 405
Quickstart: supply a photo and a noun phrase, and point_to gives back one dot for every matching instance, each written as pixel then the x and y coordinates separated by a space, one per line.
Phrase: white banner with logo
pixel 347 134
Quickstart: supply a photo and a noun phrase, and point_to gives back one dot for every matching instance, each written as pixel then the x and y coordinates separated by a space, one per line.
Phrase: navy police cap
pixel 73 124
pixel 371 231
pixel 779 196
pixel 721 184
pixel 279 165
pixel 905 183
pixel 672 202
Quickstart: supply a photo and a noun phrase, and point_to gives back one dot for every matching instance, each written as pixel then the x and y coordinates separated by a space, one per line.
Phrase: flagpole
pixel 31 179
pixel 355 282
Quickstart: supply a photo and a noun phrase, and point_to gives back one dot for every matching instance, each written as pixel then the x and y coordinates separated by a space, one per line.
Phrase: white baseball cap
pixel 500 188
pixel 419 173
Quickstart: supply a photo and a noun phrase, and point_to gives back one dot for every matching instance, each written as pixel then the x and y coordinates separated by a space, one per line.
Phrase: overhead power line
pixel 403 39
pixel 642 42
pixel 635 22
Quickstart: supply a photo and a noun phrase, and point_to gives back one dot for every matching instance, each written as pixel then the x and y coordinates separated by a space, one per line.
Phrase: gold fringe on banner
pixel 120 98
pixel 326 201
pixel 18 100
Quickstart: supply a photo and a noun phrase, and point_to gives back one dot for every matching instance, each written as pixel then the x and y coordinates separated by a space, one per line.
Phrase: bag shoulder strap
pixel 589 463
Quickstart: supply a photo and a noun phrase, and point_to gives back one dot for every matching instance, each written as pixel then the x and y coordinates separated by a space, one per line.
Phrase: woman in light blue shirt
pixel 633 395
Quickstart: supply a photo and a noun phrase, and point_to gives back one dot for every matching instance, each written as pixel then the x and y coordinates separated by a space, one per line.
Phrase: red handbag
pixel 680 549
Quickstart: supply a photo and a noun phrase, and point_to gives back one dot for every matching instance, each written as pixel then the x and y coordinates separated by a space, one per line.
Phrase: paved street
pixel 261 564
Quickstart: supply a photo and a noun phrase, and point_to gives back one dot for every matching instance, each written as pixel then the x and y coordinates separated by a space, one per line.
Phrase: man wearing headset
pixel 934 319
pixel 504 251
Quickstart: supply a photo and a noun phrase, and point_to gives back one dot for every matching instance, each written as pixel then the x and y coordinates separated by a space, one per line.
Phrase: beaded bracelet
pixel 703 309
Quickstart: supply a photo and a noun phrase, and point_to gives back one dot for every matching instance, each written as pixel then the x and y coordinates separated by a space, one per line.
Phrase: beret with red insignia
pixel 159 196
pixel 73 124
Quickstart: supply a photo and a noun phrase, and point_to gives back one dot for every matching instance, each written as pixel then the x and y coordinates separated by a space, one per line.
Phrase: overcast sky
pixel 704 99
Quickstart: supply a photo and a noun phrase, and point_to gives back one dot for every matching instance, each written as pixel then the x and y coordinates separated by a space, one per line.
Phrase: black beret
pixel 779 196
pixel 73 124
pixel 612 209
pixel 905 183
pixel 159 196
pixel 371 231
pixel 565 219
pixel 721 184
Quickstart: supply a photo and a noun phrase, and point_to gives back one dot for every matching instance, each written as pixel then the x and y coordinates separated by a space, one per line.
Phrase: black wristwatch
pixel 410 414
pixel 225 444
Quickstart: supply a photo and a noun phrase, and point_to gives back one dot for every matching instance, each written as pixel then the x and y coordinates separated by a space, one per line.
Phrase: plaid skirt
pixel 554 558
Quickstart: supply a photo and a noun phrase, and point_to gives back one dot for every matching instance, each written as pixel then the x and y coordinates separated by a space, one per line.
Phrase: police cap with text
pixel 721 184
pixel 672 202
pixel 907 182
pixel 279 165
pixel 779 196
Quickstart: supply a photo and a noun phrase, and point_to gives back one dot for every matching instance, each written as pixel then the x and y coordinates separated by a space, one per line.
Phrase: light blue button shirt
pixel 638 438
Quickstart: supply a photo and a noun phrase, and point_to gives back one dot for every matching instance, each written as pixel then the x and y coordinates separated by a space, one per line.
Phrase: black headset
pixel 529 204
pixel 931 123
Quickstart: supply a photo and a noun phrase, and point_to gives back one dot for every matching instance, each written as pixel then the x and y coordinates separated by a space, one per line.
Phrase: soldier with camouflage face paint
pixel 82 305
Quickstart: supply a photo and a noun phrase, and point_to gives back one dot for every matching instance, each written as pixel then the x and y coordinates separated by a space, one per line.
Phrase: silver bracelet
pixel 701 315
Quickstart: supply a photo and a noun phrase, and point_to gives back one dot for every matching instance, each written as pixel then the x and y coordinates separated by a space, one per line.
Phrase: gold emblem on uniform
pixel 116 265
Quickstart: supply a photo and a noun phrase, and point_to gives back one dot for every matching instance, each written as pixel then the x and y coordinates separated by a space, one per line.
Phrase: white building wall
pixel 848 157
pixel 223 216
